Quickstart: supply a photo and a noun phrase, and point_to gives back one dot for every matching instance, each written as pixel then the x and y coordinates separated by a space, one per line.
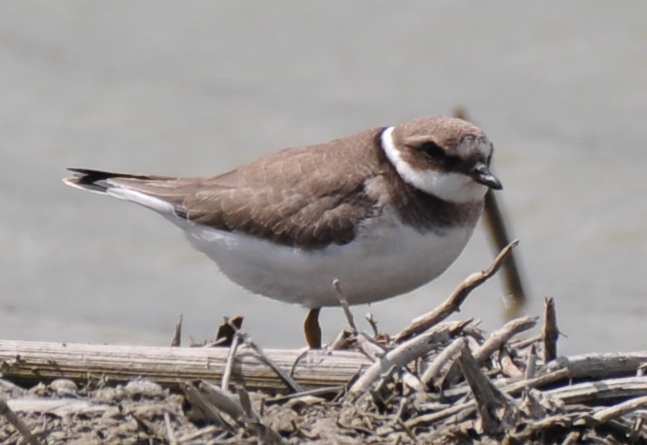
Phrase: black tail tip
pixel 87 179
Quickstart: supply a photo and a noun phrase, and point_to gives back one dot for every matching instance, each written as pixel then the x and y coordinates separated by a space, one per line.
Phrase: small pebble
pixel 64 388
pixel 144 388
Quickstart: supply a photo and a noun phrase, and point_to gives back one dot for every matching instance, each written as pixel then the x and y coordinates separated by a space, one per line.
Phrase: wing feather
pixel 304 197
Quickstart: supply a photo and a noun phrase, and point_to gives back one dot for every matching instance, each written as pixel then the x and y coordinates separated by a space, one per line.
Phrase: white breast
pixel 388 259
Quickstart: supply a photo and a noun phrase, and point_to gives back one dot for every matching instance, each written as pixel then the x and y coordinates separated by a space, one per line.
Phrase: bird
pixel 372 215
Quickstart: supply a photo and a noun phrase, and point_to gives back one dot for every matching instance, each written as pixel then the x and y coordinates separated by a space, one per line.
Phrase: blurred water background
pixel 197 88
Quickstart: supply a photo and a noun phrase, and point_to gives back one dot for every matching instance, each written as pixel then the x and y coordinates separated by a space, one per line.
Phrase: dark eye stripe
pixel 452 162
pixel 432 151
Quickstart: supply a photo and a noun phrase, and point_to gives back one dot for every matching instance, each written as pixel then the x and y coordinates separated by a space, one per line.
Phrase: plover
pixel 383 212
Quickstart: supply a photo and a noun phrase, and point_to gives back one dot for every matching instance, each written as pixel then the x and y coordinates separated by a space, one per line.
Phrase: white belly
pixel 388 259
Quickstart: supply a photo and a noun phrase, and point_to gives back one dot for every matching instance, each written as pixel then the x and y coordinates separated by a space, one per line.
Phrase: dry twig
pixel 449 354
pixel 207 409
pixel 501 336
pixel 343 302
pixel 401 355
pixel 373 324
pixel 170 435
pixel 286 378
pixel 17 423
pixel 620 409
pixel 177 333
pixel 453 303
pixel 240 411
pixel 550 332
pixel 496 409
pixel 229 365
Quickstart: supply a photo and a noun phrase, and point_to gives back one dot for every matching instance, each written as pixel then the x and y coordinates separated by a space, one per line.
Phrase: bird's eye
pixel 432 151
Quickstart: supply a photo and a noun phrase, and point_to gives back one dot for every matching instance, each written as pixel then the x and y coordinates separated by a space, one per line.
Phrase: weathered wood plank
pixel 28 361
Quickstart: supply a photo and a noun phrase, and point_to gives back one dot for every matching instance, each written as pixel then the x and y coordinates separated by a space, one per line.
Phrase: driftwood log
pixel 29 362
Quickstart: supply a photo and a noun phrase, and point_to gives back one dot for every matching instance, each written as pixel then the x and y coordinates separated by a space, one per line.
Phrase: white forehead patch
pixel 452 187
pixel 470 146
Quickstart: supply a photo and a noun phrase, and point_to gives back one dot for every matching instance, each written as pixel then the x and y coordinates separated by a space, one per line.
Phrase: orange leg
pixel 312 329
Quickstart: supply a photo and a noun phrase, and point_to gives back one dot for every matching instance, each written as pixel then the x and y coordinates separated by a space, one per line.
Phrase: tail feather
pixel 134 188
pixel 96 180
